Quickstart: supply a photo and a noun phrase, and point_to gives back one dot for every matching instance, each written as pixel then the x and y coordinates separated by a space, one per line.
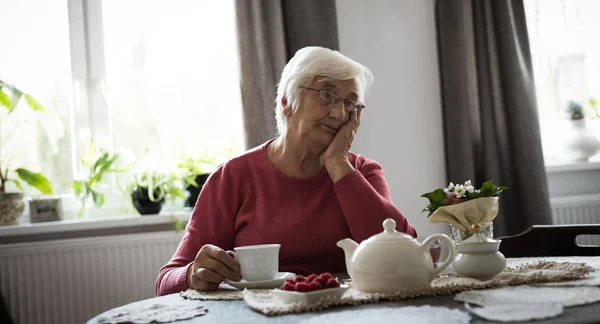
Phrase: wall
pixel 402 125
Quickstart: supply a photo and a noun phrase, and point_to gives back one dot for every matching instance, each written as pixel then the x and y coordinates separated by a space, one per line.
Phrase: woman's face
pixel 317 120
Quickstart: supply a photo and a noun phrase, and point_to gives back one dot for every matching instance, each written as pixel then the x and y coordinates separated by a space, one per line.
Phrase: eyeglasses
pixel 331 98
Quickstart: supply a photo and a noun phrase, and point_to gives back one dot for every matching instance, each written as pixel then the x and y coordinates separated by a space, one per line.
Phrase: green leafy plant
pixel 456 194
pixel 10 96
pixel 95 163
pixel 190 167
pixel 575 110
pixel 156 186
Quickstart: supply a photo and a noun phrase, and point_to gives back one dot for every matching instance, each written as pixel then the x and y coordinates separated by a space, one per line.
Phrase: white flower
pixel 477 191
pixel 451 187
pixel 469 188
pixel 460 191
pixel 467 183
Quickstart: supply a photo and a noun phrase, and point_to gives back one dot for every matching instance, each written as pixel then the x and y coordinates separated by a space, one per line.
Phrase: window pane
pixel 566 59
pixel 36 58
pixel 172 78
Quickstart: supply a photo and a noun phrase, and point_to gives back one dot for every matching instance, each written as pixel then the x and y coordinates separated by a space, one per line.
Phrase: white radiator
pixel 71 281
pixel 583 209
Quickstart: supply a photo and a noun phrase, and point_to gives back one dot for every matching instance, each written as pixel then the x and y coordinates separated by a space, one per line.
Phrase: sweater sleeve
pixel 211 222
pixel 365 199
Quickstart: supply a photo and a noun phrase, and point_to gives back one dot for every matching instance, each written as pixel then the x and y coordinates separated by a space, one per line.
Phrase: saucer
pixel 310 297
pixel 262 284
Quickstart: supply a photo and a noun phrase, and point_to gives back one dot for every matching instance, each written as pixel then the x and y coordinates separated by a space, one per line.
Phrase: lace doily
pixel 532 296
pixel 389 315
pixel 538 272
pixel 156 313
pixel 517 313
pixel 225 292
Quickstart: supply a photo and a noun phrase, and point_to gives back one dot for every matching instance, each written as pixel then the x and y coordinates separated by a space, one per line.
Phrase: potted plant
pixel 466 209
pixel 95 163
pixel 12 203
pixel 580 143
pixel 150 190
pixel 195 172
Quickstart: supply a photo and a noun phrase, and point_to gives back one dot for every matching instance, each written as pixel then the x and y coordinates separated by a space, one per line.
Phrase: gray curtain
pixel 270 32
pixel 491 127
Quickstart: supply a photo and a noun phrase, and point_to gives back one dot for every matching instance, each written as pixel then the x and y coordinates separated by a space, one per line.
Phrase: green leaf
pixel 17 183
pixel 33 104
pixel 5 99
pixel 17 94
pixel 36 180
pixel 77 186
pixel 436 199
pixel 593 102
pixel 98 198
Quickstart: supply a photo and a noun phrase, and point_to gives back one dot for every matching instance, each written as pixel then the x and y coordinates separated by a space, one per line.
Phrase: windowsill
pixel 573 166
pixel 90 226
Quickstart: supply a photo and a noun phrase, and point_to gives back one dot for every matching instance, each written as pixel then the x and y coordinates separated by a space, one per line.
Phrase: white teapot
pixel 391 261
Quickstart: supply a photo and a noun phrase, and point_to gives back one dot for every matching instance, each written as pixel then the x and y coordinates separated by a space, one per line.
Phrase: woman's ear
pixel 287 110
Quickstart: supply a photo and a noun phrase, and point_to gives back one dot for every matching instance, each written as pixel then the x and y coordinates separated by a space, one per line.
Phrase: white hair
pixel 308 63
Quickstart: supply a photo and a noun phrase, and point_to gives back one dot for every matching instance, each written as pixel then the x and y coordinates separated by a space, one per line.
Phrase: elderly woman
pixel 304 189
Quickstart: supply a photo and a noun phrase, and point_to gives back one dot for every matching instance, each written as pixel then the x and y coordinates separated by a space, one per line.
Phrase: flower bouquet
pixel 468 209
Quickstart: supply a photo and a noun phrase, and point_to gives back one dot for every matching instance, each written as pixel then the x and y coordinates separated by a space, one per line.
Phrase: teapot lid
pixel 389 233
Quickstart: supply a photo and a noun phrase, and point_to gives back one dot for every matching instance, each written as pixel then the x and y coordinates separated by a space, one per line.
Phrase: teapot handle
pixel 446 242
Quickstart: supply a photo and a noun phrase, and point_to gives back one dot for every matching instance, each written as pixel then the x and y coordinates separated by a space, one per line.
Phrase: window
pixel 37 61
pixel 156 80
pixel 565 52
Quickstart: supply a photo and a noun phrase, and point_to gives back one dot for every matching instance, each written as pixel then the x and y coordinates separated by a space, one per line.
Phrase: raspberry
pixel 288 286
pixel 311 277
pixel 332 283
pixel 315 285
pixel 325 275
pixel 299 278
pixel 290 281
pixel 302 287
pixel 321 280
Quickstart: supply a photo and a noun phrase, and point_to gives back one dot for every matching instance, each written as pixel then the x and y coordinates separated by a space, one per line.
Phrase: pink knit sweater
pixel 249 201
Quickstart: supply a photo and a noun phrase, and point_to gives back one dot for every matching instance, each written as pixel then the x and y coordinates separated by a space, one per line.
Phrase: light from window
pixel 565 53
pixel 35 57
pixel 172 78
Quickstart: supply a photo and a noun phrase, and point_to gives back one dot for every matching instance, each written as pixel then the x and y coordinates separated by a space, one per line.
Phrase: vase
pixel 143 204
pixel 479 258
pixel 11 207
pixel 195 191
pixel 580 143
pixel 457 235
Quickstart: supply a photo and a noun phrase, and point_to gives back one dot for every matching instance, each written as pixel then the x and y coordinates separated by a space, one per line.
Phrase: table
pixel 237 312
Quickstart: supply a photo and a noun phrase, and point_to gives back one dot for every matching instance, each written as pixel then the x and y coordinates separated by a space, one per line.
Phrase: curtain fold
pixel 269 34
pixel 491 124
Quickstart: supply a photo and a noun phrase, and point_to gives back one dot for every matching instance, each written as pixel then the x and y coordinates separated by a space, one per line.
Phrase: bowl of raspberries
pixel 310 289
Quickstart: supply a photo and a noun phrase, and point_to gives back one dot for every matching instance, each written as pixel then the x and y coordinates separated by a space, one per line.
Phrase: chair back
pixel 550 240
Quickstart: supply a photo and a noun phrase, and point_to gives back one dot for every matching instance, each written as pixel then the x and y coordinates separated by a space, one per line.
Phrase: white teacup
pixel 258 262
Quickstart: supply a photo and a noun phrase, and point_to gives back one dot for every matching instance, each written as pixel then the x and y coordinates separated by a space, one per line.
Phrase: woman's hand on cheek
pixel 335 156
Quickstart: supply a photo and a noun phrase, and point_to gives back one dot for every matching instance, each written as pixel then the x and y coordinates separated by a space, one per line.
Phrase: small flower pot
pixel 195 191
pixel 143 204
pixel 11 207
pixel 45 209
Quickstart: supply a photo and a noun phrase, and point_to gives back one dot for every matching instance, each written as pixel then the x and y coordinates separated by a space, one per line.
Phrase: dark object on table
pixel 550 240
pixel 195 191
pixel 4 314
pixel 143 204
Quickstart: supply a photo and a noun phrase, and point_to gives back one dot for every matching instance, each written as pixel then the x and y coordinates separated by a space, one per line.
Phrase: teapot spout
pixel 349 246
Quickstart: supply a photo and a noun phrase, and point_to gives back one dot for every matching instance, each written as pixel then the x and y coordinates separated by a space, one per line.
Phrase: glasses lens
pixel 353 105
pixel 328 96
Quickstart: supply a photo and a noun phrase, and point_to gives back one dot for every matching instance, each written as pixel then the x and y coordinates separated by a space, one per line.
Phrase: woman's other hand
pixel 335 156
pixel 211 266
